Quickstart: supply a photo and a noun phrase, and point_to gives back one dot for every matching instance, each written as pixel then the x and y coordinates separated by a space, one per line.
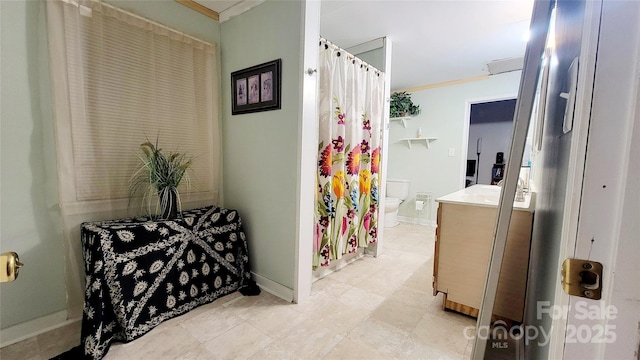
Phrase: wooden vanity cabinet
pixel 464 237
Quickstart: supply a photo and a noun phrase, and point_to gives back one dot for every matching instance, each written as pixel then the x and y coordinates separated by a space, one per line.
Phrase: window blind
pixel 131 80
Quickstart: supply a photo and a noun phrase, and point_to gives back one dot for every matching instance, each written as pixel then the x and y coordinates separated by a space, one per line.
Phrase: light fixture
pixel 505 65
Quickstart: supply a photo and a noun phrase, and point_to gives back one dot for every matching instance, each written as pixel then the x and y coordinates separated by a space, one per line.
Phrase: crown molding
pixel 200 8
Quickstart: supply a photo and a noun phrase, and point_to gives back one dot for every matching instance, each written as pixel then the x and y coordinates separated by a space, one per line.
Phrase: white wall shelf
pixel 427 141
pixel 402 119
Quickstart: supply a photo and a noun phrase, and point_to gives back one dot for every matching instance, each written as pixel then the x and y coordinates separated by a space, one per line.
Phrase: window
pixel 119 80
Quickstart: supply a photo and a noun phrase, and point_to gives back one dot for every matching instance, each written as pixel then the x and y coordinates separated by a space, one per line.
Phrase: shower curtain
pixel 350 108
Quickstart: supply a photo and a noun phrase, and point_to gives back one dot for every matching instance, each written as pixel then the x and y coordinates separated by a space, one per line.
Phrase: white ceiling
pixel 433 40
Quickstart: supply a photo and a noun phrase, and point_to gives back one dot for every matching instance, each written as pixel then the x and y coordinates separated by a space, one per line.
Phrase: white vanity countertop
pixel 486 195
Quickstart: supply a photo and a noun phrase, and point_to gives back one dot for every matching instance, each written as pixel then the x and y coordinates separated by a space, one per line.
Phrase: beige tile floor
pixel 375 308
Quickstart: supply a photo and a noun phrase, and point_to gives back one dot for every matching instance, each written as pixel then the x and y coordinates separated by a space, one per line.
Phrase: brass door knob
pixel 9 266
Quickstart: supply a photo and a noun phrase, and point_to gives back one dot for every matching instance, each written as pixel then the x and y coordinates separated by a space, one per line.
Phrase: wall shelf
pixel 427 141
pixel 403 119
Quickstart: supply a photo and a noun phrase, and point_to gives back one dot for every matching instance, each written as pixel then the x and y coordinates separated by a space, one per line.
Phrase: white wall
pixel 496 137
pixel 443 116
pixel 260 149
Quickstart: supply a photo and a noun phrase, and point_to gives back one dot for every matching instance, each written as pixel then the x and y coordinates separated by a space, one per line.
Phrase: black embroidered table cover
pixel 141 272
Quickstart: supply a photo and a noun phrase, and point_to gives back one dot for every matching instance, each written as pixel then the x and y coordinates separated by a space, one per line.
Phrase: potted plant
pixel 160 174
pixel 401 105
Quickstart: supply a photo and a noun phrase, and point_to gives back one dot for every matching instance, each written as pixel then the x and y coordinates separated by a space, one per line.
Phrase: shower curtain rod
pixel 349 55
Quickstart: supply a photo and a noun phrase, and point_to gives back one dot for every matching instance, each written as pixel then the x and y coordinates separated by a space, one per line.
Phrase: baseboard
pixel 273 287
pixel 35 327
pixel 411 220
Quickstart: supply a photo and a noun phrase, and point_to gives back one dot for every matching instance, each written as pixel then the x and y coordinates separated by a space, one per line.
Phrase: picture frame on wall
pixel 256 88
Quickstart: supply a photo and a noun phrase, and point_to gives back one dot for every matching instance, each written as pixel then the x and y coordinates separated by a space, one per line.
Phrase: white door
pixel 589 200
pixel 601 222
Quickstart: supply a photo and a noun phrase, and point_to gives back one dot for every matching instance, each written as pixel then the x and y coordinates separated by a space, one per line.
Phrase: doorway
pixel 487 137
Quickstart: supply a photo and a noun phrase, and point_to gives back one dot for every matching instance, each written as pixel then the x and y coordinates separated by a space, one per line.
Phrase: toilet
pixel 397 192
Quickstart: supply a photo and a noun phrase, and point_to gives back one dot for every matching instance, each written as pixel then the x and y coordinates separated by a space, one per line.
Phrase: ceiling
pixel 433 41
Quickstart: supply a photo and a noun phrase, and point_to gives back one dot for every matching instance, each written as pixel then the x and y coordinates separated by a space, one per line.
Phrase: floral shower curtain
pixel 351 95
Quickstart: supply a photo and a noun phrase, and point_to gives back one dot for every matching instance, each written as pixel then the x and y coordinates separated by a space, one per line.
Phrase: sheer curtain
pixel 351 95
pixel 118 80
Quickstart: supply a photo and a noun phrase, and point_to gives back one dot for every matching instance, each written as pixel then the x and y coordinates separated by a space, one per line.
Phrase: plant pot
pixel 168 198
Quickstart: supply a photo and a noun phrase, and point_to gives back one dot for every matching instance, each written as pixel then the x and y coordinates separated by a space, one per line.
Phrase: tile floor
pixel 375 308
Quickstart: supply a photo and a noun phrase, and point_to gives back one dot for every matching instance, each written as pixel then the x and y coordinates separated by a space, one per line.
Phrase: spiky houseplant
pixel 160 174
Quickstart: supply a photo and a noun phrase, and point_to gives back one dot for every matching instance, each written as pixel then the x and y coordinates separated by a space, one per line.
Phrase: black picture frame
pixel 256 88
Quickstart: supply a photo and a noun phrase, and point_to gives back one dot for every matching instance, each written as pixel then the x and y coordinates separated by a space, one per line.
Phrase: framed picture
pixel 256 88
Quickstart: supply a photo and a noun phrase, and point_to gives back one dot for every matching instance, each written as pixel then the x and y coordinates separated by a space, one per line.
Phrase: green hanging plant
pixel 401 105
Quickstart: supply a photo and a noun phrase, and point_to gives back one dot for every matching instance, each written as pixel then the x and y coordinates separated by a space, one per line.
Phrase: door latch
pixel 582 278
pixel 9 266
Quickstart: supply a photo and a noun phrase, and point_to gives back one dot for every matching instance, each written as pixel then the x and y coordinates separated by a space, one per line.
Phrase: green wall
pixel 30 220
pixel 260 149
pixel 374 58
pixel 443 116
pixel 174 15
